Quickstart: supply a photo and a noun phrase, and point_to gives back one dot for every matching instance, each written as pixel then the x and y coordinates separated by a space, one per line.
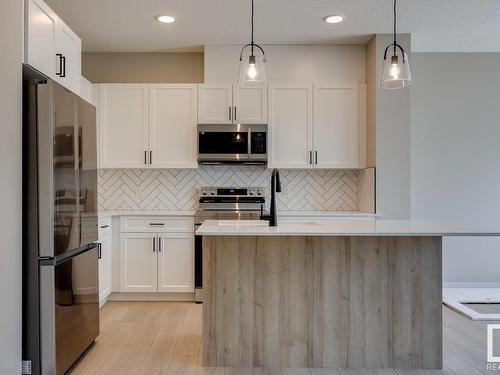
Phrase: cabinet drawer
pixel 155 224
pixel 104 227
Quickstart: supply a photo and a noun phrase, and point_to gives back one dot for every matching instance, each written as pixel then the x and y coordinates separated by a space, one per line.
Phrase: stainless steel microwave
pixel 232 144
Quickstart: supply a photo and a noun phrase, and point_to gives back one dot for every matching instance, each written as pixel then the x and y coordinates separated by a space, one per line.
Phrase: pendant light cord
pixel 252 26
pixel 395 42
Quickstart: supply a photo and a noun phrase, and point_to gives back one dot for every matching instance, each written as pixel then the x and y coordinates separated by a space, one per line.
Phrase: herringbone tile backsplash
pixel 177 189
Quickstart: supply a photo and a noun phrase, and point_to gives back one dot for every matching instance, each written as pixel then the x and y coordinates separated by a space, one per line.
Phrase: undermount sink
pixel 301 223
pixel 260 223
pixel 264 223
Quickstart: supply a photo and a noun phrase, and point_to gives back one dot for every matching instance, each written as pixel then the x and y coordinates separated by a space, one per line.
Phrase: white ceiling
pixel 129 25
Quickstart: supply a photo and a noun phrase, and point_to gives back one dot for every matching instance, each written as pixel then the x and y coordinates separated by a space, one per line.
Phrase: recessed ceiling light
pixel 165 19
pixel 334 18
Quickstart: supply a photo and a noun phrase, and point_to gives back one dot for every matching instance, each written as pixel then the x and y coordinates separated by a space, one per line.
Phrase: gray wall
pixel 291 63
pixel 455 115
pixel 392 118
pixel 10 186
pixel 143 67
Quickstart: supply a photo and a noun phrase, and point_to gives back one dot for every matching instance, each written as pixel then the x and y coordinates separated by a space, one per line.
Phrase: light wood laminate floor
pixel 165 338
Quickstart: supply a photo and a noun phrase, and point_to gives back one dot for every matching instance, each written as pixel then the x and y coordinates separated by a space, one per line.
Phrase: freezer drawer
pixel 69 293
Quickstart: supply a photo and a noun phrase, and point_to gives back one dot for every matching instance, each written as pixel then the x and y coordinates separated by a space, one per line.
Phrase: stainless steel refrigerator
pixel 60 252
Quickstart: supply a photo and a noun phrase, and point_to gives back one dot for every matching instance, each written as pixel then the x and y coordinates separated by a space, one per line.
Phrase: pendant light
pixel 252 63
pixel 396 68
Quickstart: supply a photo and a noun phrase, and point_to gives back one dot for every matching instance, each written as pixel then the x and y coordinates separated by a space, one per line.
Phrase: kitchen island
pixel 342 294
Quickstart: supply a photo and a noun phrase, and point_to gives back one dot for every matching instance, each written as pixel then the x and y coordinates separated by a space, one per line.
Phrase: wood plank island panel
pixel 343 302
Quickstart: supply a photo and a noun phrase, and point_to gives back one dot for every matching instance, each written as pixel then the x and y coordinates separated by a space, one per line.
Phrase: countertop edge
pixel 344 234
pixel 287 214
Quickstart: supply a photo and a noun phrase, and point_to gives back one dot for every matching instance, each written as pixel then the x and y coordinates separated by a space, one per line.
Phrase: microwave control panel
pixel 259 141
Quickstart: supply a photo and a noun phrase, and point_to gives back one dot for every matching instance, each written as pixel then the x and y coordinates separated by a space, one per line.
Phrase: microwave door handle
pixel 249 143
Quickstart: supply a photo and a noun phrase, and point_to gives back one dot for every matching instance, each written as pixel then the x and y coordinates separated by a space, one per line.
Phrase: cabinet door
pixel 215 104
pixel 290 126
pixel 138 262
pixel 123 126
pixel 41 25
pixel 172 125
pixel 105 269
pixel 176 263
pixel 336 126
pixel 250 104
pixel 69 46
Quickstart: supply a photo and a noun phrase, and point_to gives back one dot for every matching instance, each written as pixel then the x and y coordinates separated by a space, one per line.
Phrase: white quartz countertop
pixel 326 213
pixel 104 214
pixel 337 228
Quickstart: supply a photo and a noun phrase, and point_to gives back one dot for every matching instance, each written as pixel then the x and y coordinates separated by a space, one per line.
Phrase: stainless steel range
pixel 224 204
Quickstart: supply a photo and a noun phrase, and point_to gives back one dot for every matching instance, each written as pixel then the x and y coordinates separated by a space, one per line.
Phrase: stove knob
pixel 251 193
pixel 259 193
pixel 212 193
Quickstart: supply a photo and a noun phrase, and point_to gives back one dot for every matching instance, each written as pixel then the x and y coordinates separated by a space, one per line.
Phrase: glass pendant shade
pixel 252 68
pixel 396 66
pixel 395 71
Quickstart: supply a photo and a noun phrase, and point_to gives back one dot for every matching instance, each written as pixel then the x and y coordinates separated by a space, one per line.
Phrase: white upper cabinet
pixel 315 128
pixel 228 104
pixel 87 91
pixel 138 262
pixel 51 46
pixel 68 57
pixel 172 125
pixel 147 126
pixel 123 126
pixel 290 126
pixel 215 104
pixel 250 105
pixel 176 262
pixel 41 26
pixel 336 126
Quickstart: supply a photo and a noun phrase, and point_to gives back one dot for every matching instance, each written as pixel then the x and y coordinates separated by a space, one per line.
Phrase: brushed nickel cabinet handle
pixel 154 244
pixel 315 157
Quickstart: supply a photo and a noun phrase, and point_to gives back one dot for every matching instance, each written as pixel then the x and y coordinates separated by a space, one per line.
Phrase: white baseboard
pixel 138 296
pixel 471 285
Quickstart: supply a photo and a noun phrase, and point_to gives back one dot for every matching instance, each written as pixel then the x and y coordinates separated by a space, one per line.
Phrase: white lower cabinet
pixel 175 262
pixel 105 269
pixel 105 260
pixel 138 262
pixel 159 261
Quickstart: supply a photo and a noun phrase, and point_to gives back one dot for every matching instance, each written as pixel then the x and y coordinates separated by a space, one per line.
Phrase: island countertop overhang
pixel 339 228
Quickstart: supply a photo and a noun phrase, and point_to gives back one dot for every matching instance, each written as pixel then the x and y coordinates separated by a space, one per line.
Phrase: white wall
pixel 455 115
pixel 392 140
pixel 291 63
pixel 10 186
